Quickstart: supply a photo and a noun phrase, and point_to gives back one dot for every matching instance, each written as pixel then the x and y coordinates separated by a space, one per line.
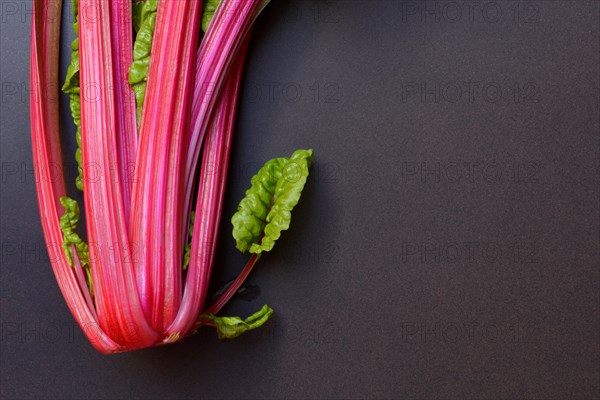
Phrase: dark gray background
pixel 446 245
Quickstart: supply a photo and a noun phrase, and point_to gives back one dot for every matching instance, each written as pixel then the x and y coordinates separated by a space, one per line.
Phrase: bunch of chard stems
pixel 137 227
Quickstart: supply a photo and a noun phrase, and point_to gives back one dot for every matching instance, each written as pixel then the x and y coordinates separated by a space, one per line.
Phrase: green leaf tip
pixel 266 210
pixel 232 327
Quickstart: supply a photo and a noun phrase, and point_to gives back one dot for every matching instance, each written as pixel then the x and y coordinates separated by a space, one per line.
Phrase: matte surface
pixel 446 245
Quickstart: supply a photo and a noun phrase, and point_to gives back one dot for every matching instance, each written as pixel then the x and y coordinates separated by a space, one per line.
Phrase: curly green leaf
pixel 266 210
pixel 71 87
pixel 232 327
pixel 249 221
pixel 138 72
pixel 68 225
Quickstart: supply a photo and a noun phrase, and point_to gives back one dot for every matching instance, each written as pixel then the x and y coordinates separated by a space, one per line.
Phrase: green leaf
pixel 71 87
pixel 138 72
pixel 137 8
pixel 266 210
pixel 232 327
pixel 210 6
pixel 68 225
pixel 71 84
pixel 188 246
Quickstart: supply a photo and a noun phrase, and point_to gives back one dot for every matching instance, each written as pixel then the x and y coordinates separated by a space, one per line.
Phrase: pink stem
pixel 230 25
pixel 47 158
pixel 119 309
pixel 233 288
pixel 209 203
pixel 156 222
pixel 83 283
pixel 122 45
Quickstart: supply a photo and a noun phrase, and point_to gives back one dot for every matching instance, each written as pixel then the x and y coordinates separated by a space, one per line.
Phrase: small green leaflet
pixel 188 246
pixel 71 87
pixel 68 225
pixel 267 208
pixel 210 6
pixel 138 73
pixel 232 327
